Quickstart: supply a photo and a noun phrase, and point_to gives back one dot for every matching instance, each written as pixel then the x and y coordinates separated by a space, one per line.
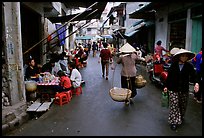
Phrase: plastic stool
pixel 61 98
pixel 77 91
pixel 69 95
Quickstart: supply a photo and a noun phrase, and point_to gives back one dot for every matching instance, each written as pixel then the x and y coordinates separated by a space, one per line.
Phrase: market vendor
pixel 32 70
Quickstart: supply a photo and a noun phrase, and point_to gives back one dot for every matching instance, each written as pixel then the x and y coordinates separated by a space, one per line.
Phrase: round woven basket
pixel 120 94
pixel 140 84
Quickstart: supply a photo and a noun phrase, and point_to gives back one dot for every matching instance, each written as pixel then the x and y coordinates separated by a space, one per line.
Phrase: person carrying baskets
pixel 128 59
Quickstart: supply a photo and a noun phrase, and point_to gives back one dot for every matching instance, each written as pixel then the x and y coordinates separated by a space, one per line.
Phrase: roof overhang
pixel 148 11
pixel 116 8
pixel 45 9
pixel 134 28
pixel 77 4
pixel 92 13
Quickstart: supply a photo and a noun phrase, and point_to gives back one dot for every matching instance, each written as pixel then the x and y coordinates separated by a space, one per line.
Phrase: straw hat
pixel 174 50
pixel 183 51
pixel 127 48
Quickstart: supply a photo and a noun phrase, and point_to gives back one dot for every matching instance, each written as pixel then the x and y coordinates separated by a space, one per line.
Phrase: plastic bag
pixel 165 99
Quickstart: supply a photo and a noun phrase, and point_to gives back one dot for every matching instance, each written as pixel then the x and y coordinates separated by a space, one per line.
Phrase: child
pixel 65 82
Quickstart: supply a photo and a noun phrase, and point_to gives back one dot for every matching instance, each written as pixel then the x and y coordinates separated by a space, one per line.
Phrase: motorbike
pixel 158 70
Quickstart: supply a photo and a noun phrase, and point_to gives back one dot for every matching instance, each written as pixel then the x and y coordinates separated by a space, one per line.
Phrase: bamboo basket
pixel 120 94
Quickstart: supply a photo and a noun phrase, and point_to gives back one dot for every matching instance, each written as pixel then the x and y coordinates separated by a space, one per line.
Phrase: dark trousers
pixel 105 67
pixel 61 89
pixel 129 83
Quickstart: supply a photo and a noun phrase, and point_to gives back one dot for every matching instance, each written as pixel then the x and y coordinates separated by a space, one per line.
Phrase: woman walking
pixel 128 60
pixel 177 84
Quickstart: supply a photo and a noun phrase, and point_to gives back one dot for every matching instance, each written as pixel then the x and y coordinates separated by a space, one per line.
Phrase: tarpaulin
pixel 61 33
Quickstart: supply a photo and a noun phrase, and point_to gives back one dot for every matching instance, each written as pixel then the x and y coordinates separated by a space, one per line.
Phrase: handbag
pixel 165 99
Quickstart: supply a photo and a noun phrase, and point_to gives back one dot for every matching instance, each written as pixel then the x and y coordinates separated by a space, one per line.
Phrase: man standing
pixel 94 48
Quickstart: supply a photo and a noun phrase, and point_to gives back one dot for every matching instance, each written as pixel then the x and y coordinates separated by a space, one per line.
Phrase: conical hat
pixel 127 48
pixel 174 50
pixel 183 51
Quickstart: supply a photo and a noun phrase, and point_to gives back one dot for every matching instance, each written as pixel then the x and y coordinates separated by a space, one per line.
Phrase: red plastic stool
pixel 77 91
pixel 61 98
pixel 69 95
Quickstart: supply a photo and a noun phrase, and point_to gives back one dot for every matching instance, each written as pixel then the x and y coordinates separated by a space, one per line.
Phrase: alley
pixel 94 113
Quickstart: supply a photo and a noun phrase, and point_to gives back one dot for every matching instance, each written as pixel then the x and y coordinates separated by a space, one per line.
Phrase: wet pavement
pixel 94 113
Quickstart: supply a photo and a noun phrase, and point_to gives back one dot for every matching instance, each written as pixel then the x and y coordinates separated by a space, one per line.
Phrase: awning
pixel 131 33
pixel 116 8
pixel 86 37
pixel 148 11
pixel 120 29
pixel 107 36
pixel 93 13
pixel 134 28
pixel 119 33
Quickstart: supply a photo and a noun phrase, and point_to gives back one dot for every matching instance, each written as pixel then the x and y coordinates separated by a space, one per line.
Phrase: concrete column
pixel 14 58
pixel 188 30
pixel 44 34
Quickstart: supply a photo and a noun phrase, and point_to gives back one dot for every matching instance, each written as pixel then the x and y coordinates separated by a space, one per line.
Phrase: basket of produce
pixel 140 81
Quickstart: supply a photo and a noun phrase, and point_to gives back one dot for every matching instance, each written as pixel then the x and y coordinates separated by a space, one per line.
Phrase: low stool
pixel 69 95
pixel 61 98
pixel 77 91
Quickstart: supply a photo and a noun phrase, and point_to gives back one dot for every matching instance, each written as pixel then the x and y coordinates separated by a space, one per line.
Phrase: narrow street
pixel 94 113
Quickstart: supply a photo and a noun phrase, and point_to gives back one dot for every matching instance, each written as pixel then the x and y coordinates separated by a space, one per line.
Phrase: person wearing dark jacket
pixel 47 67
pixel 94 48
pixel 177 86
pixel 32 70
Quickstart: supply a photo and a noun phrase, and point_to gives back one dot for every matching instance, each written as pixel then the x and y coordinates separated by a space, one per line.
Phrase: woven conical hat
pixel 127 48
pixel 174 50
pixel 183 51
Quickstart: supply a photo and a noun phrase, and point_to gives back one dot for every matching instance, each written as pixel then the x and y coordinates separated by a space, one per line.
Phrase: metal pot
pixel 30 86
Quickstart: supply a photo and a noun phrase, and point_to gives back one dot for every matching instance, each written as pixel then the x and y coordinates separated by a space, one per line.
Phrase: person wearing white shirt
pixel 56 68
pixel 63 62
pixel 75 76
